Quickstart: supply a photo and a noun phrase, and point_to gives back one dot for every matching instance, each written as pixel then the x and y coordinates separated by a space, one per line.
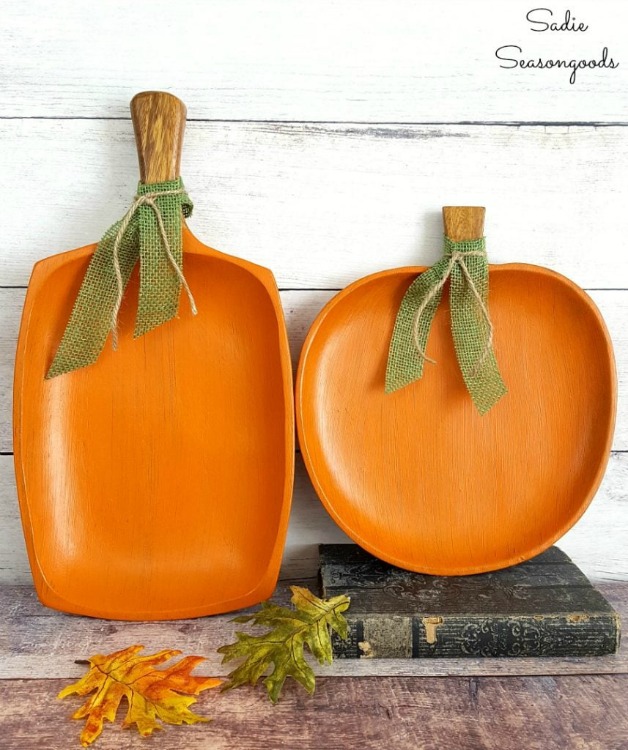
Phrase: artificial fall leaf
pixel 308 624
pixel 153 695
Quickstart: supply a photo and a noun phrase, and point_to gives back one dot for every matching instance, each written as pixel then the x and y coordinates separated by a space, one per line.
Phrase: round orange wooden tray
pixel 417 477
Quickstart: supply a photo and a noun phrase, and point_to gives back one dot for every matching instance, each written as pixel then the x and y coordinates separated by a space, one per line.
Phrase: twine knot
pixel 457 252
pixel 145 199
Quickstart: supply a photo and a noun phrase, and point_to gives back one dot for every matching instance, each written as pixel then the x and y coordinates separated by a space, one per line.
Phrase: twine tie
pixel 455 256
pixel 148 199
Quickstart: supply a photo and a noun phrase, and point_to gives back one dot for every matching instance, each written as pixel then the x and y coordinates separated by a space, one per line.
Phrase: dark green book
pixel 543 607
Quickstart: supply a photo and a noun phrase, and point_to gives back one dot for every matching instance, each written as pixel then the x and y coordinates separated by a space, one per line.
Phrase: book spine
pixel 396 637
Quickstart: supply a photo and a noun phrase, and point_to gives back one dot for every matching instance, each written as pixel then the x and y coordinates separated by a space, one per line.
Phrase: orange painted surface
pixel 418 477
pixel 156 483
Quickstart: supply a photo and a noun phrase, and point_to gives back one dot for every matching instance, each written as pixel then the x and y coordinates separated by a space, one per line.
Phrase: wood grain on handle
pixel 463 222
pixel 159 124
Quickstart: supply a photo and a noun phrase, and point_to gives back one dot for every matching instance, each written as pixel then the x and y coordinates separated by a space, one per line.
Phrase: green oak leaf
pixel 283 647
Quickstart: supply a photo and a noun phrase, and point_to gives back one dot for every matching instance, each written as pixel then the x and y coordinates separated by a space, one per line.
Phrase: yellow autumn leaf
pixel 154 696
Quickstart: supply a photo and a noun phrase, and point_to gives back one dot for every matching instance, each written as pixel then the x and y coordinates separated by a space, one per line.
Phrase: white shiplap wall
pixel 323 139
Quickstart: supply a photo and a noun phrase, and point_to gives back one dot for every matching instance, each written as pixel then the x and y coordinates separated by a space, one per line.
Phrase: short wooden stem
pixel 463 222
pixel 159 124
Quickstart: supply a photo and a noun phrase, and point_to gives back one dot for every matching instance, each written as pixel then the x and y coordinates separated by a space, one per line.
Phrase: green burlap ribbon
pixel 466 266
pixel 150 232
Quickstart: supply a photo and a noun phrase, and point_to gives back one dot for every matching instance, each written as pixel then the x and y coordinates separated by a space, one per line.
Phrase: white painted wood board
pixel 322 205
pixel 364 60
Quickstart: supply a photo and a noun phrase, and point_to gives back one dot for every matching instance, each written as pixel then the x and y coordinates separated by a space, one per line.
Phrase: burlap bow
pixel 466 266
pixel 150 232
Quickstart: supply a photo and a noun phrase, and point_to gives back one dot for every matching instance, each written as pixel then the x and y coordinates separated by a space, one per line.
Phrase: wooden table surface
pixel 462 704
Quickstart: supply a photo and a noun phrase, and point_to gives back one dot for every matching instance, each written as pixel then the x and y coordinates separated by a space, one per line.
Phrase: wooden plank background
pixel 332 60
pixel 323 140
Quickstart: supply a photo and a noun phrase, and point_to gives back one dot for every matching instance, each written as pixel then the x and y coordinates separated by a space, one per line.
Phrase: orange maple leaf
pixel 154 696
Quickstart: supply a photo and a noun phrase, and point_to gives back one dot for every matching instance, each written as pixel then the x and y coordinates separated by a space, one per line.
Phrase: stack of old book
pixel 543 607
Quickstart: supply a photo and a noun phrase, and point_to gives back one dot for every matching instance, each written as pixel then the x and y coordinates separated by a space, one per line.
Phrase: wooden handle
pixel 463 222
pixel 159 123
